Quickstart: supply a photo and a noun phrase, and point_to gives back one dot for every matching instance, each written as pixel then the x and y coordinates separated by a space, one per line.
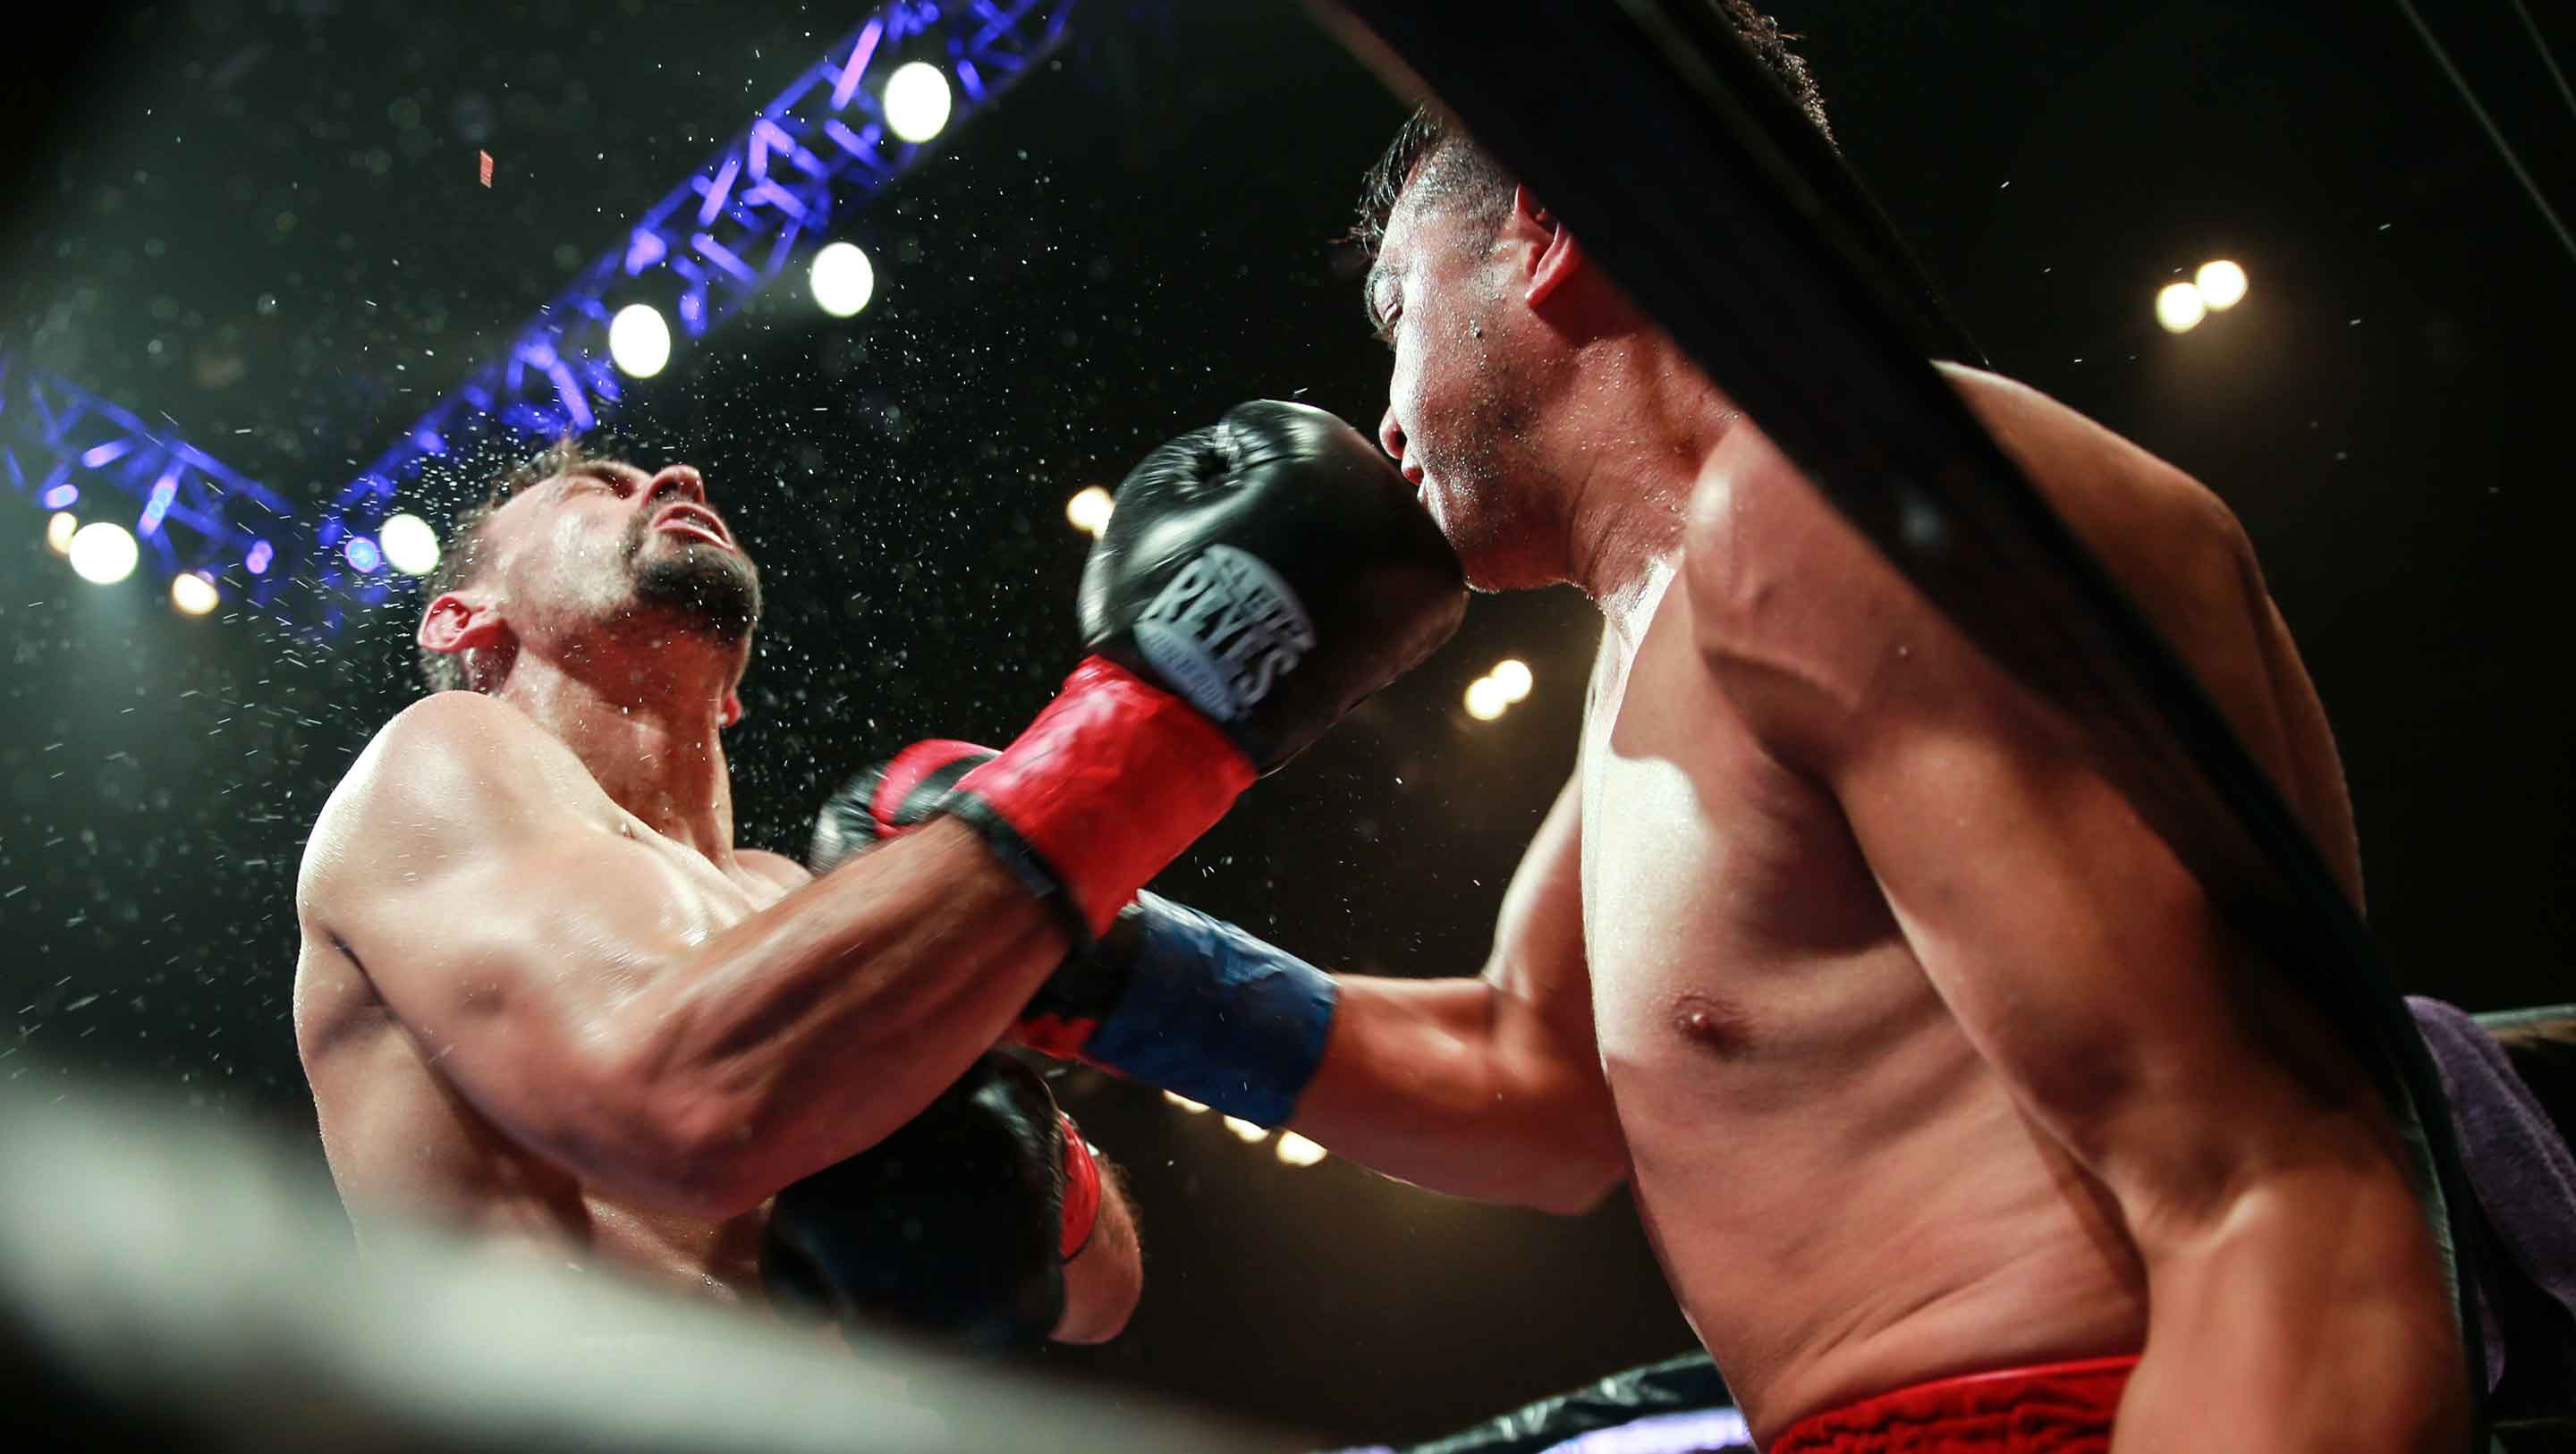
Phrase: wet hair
pixel 1436 159
pixel 463 560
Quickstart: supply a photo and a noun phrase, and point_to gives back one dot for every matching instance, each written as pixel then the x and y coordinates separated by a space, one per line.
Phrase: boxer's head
pixel 580 558
pixel 1498 408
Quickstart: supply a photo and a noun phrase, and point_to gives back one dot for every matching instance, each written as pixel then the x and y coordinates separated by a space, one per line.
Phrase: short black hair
pixel 1433 155
pixel 462 560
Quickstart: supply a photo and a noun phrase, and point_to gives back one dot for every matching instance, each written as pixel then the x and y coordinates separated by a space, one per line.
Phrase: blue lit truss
pixel 699 254
pixel 60 444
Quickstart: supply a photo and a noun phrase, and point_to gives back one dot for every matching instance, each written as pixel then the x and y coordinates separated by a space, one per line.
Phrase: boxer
pixel 545 997
pixel 1952 1107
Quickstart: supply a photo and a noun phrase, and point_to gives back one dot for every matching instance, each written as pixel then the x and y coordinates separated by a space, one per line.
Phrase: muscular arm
pixel 476 874
pixel 2295 1301
pixel 1488 1087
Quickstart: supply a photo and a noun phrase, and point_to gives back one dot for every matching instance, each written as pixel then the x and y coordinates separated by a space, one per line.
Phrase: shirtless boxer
pixel 1951 1107
pixel 544 997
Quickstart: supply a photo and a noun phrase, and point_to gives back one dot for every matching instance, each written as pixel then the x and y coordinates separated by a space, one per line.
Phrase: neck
pixel 647 730
pixel 1658 422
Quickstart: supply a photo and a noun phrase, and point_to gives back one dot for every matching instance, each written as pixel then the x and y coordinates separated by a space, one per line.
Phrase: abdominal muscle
pixel 1836 1228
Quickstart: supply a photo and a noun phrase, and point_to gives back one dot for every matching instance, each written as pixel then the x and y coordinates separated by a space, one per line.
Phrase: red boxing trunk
pixel 2053 1408
pixel 1108 785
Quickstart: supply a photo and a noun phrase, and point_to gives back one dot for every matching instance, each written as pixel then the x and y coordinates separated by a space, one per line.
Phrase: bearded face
pixel 708 585
pixel 603 544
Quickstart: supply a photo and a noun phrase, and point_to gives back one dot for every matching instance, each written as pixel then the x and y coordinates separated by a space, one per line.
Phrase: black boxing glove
pixel 1275 570
pixel 1257 580
pixel 957 1226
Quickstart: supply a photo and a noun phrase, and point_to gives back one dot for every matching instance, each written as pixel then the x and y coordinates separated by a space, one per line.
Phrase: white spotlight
pixel 1297 1150
pixel 1244 1130
pixel 59 531
pixel 1184 1102
pixel 916 101
pixel 410 546
pixel 193 594
pixel 2180 308
pixel 1487 699
pixel 1089 510
pixel 639 342
pixel 102 553
pixel 843 278
pixel 1512 677
pixel 2222 285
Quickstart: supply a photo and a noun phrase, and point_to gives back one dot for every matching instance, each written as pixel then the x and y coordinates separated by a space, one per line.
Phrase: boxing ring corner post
pixel 1673 92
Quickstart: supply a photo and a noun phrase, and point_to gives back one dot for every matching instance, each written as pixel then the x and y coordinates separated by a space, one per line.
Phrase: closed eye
pixel 1383 303
pixel 1382 320
pixel 618 482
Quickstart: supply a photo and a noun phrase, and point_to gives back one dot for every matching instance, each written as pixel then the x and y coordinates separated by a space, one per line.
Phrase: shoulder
pixel 2115 493
pixel 1753 517
pixel 441 767
pixel 778 868
pixel 1807 624
pixel 2175 548
pixel 452 748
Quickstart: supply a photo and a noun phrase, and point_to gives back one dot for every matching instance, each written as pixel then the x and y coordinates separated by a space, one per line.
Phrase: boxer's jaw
pixel 1470 365
pixel 1550 428
pixel 698 584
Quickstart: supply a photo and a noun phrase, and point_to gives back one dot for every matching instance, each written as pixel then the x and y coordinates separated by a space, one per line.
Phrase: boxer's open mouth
pixel 693 520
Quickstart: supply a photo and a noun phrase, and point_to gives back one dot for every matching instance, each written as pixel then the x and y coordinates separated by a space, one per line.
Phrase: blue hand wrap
pixel 1215 1014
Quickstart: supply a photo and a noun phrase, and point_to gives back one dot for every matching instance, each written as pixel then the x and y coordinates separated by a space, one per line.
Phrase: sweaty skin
pixel 1848 1192
pixel 1858 1155
pixel 401 1135
pixel 1923 1054
pixel 535 1017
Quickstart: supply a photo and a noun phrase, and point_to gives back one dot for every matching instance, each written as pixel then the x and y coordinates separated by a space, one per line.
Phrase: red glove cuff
pixel 1110 783
pixel 1081 1191
pixel 909 783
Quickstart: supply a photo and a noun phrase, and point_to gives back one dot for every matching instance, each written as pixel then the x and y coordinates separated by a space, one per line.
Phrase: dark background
pixel 258 221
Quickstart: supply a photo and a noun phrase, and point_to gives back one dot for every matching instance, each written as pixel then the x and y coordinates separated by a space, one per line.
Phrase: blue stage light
pixel 807 161
pixel 197 513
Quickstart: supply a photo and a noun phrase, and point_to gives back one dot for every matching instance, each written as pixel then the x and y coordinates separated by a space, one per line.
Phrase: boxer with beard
pixel 586 637
pixel 544 996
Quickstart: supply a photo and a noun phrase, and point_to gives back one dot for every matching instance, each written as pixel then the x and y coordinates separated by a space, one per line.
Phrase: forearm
pixel 1106 1278
pixel 1455 1085
pixel 2308 1314
pixel 808 1031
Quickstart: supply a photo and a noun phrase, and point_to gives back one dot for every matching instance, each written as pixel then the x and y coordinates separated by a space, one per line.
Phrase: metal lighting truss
pixel 806 160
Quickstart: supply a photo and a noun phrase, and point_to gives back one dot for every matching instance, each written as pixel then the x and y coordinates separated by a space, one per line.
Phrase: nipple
pixel 1713 1024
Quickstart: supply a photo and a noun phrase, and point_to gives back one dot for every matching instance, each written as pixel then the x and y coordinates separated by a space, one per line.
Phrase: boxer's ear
pixel 1559 258
pixel 731 709
pixel 458 622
